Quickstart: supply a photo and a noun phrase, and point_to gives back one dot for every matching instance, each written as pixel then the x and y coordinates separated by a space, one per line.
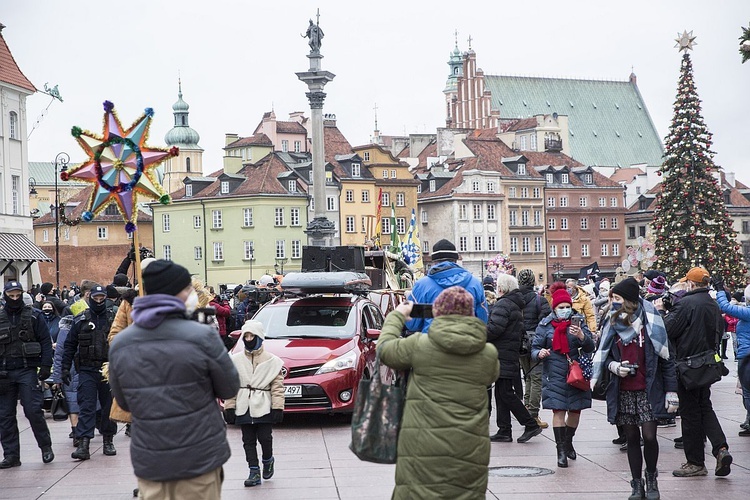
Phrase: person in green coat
pixel 444 445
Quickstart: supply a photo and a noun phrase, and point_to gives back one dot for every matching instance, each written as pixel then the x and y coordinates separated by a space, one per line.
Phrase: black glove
pixel 719 286
pixel 44 373
pixel 277 416
pixel 230 416
pixel 66 377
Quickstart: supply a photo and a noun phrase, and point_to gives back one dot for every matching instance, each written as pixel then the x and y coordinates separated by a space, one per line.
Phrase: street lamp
pixel 279 265
pixel 558 267
pixel 61 164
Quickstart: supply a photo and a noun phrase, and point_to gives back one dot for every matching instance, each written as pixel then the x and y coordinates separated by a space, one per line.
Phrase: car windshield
pixel 300 321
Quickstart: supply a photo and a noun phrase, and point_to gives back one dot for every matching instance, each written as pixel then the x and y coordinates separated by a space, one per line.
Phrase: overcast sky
pixel 238 59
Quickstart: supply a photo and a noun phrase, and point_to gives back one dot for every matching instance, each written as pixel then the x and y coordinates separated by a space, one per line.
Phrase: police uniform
pixel 25 346
pixel 87 345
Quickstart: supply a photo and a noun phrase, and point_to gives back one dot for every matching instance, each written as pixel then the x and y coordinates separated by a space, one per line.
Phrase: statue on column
pixel 315 36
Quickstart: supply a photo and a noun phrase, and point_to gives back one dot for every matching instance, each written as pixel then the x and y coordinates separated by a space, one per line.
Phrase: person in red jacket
pixel 223 311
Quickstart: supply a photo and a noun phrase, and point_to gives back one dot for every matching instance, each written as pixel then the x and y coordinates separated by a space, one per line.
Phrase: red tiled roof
pixel 336 144
pixel 626 174
pixel 522 124
pixel 9 70
pixel 736 199
pixel 82 198
pixel 256 140
pixel 290 128
pixel 404 153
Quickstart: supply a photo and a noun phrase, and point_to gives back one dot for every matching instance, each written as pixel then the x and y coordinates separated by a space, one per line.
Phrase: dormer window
pixel 642 204
pixel 565 178
pixel 356 170
pixel 475 186
pixel 432 186
pixel 550 178
pixel 727 198
pixel 366 156
pixel 521 169
pixel 224 187
pixel 292 186
pixel 188 190
pixel 588 178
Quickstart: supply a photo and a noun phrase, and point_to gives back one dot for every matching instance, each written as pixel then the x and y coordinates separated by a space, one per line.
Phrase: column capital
pixel 316 99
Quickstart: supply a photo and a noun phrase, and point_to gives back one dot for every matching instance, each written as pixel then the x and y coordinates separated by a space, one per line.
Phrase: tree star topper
pixel 120 166
pixel 685 41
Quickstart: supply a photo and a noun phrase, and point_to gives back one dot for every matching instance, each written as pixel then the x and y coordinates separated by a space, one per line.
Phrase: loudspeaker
pixel 314 259
pixel 349 258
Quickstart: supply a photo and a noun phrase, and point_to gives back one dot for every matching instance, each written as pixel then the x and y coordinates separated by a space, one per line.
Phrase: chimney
pixel 230 138
pixel 297 116
pixel 329 120
pixel 729 176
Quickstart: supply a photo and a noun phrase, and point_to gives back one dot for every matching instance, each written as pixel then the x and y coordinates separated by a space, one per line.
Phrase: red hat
pixel 561 296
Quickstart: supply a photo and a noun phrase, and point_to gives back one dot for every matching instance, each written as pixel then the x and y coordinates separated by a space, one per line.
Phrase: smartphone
pixel 421 311
pixel 576 322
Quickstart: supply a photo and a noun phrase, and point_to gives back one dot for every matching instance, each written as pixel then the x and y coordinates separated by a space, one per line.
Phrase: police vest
pixel 93 348
pixel 19 340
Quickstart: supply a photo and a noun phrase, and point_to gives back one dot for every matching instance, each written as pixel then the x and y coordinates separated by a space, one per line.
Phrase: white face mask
pixel 191 304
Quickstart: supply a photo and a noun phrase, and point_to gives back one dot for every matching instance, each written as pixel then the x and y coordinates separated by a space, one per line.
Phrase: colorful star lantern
pixel 120 166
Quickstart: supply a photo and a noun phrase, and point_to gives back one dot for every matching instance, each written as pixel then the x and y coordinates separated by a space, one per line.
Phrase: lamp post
pixel 279 266
pixel 61 163
pixel 558 267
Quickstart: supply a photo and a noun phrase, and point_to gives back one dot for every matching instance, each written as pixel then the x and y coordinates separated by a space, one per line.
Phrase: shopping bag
pixel 575 376
pixel 377 418
pixel 59 407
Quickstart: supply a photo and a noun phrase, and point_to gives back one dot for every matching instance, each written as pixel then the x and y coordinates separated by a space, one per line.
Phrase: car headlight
pixel 346 362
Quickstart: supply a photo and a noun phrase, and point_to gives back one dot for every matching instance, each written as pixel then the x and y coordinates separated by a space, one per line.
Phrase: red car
pixel 327 344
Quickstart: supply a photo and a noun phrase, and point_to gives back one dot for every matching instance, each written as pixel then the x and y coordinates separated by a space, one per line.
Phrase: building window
pixel 165 225
pixel 615 223
pixel 167 249
pixel 631 232
pixel 615 249
pixel 66 234
pixel 247 217
pixel 356 170
pixel 550 178
pixel 563 201
pixel 477 211
pixel 553 250
pixel 522 168
pixel 512 192
pixel 462 244
pixel 745 227
pixel 45 235
pixel 605 250
pixel 602 223
pixel 101 232
pixel 297 146
pixel 537 192
pixel 400 199
pixel 350 196
pixel 385 199
pixel 533 141
pixel 218 251
pixel 537 217
pixel 248 249
pixel 366 196
pixel 224 187
pixel 188 190
pixel 524 192
pixel 638 190
pixel 490 187
pixel 198 253
pixel 364 223
pixel 551 224
pixel 602 201
pixel 513 217
pixel 477 243
pixel 296 249
pixel 490 211
pixel 583 201
pixel 366 156
pixel 385 173
pixel 281 249
pixel 393 174
pixel 476 186
pixel 13 125
pixel 537 243
pixel 565 250
pixel 524 217
pixel 423 217
pixel 15 189
pixel 551 202
pixel 419 188
pixel 584 222
pixel 432 186
pixel 425 246
pixel 350 224
pixel 285 145
pixel 584 250
pixel 525 244
pixel 292 186
pixel 401 225
pixel 385 225
pixel 613 202
pixel 588 178
pixel 491 243
pixel 331 203
pixel 278 216
pixel 565 178
pixel 462 214
pixel 216 222
pixel 514 244
pixel 642 231
pixel 564 223
pixel 329 177
pixel 294 216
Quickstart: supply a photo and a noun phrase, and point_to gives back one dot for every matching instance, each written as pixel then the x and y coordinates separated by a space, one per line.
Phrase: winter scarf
pixel 560 336
pixel 646 315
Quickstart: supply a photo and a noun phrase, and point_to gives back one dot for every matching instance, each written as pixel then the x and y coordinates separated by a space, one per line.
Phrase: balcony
pixel 552 145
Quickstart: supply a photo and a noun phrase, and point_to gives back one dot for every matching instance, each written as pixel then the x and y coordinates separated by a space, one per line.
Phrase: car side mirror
pixel 372 334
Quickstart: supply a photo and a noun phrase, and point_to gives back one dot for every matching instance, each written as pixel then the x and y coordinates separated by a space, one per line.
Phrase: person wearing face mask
pixel 260 401
pixel 52 319
pixel 25 347
pixel 178 444
pixel 87 346
pixel 559 337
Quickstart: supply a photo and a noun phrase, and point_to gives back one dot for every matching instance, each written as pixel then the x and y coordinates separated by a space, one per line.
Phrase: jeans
pixel 91 388
pixel 698 420
pixel 25 385
pixel 743 372
pixel 532 395
pixel 508 402
pixel 251 435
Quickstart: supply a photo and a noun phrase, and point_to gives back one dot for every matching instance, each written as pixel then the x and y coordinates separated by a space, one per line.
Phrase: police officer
pixel 87 344
pixel 25 345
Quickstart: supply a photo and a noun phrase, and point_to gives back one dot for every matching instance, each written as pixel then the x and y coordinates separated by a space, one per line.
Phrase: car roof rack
pixel 326 282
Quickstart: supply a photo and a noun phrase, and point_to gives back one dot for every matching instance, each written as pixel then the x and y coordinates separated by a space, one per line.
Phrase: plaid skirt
pixel 633 408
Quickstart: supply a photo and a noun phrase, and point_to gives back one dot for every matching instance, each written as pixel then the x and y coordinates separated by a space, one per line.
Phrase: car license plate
pixel 292 391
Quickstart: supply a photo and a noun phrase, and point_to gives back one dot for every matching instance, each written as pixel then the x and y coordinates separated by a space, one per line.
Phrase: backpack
pixel 528 337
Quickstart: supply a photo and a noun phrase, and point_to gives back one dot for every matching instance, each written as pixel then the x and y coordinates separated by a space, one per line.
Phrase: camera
pixel 668 300
pixel 633 369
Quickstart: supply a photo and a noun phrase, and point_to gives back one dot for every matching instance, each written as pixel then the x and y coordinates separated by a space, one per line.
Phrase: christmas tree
pixel 693 227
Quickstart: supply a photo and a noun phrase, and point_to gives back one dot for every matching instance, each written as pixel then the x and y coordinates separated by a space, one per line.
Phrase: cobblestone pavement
pixel 313 462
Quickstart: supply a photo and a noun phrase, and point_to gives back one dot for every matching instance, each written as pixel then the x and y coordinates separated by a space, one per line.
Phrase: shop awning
pixel 16 247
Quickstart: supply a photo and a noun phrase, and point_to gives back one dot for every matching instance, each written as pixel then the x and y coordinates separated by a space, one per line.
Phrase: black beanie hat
pixel 46 288
pixel 164 276
pixel 121 280
pixel 628 289
pixel 444 250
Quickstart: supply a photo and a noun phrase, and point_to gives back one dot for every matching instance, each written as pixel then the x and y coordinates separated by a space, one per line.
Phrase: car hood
pixel 300 352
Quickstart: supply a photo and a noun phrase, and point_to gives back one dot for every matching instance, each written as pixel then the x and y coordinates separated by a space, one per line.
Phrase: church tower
pixel 190 160
pixel 455 62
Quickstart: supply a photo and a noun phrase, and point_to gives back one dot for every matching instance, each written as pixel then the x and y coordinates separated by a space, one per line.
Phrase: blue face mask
pixel 615 306
pixel 563 312
pixel 253 345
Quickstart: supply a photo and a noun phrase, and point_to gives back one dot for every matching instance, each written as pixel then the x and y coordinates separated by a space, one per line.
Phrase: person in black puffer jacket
pixel 504 331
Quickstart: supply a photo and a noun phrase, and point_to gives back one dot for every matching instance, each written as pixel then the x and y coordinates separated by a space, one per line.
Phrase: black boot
pixel 562 457
pixel 82 452
pixel 47 454
pixel 652 486
pixel 637 493
pixel 569 450
pixel 746 424
pixel 109 447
